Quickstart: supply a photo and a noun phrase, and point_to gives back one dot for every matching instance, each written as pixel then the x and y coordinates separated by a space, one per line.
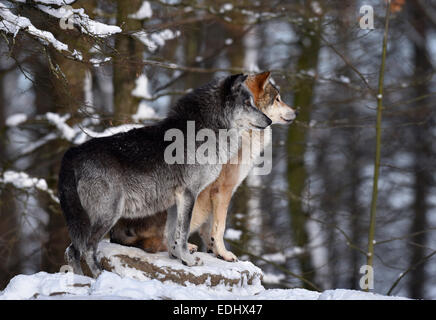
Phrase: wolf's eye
pixel 278 99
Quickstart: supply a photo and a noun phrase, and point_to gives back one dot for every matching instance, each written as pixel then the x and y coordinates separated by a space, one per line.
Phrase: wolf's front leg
pixel 179 232
pixel 220 205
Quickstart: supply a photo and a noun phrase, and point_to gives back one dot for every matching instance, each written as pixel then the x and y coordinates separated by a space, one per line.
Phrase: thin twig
pixel 371 233
pixel 283 269
pixel 412 267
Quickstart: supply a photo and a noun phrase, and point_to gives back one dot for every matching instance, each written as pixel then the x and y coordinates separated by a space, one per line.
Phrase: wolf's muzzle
pixel 289 116
pixel 262 121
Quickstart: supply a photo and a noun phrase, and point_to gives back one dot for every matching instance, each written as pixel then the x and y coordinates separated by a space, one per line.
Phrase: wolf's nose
pixel 297 111
pixel 269 121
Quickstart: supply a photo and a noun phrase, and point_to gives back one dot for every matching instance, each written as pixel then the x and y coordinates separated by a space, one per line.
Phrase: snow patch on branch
pixel 99 61
pixel 141 89
pixel 144 112
pixel 156 39
pixel 50 2
pixel 60 123
pixel 22 180
pixel 16 119
pixel 277 257
pixel 12 24
pixel 144 12
pixel 233 234
pixel 81 19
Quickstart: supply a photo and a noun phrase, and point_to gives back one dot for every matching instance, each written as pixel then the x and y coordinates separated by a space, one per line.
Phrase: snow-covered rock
pixel 137 264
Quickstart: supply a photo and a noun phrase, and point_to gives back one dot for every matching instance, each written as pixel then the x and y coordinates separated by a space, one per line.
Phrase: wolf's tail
pixel 75 215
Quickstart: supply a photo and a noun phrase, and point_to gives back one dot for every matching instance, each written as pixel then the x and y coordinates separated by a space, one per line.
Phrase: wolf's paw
pixel 192 248
pixel 225 255
pixel 187 258
pixel 191 260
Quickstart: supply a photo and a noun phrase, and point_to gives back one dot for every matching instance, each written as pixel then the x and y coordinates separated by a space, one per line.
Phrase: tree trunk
pixel 127 64
pixel 296 143
pixel 9 223
pixel 422 153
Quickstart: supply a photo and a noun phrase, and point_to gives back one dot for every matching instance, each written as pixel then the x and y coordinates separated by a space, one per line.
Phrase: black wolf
pixel 126 175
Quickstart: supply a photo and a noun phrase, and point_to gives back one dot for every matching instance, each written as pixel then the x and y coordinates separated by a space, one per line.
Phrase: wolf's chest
pixel 253 144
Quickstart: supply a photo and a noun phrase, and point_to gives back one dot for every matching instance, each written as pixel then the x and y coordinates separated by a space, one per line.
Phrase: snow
pixel 13 24
pixel 273 278
pixel 128 283
pixel 77 134
pixel 81 19
pixel 98 61
pixel 344 79
pixel 277 257
pixel 16 119
pixel 226 7
pixel 96 28
pixel 22 180
pixel 141 88
pixel 343 294
pixel 144 112
pixel 233 234
pixel 164 35
pixel 239 215
pixel 143 12
pixel 60 123
pixel 84 135
pixel 316 7
pixel 87 91
pixel 309 72
pixel 42 283
pixel 156 39
pixel 212 265
pixel 145 39
pixel 132 284
pixel 109 285
pixel 53 2
pixel 294 251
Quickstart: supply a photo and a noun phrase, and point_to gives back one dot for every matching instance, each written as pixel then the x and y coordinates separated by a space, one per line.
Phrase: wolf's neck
pixel 256 141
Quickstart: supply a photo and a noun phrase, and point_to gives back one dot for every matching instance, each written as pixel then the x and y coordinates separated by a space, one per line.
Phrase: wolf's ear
pixel 257 83
pixel 262 79
pixel 236 80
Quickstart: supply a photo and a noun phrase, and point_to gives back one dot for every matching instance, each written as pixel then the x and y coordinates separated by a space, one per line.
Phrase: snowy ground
pixel 109 285
pixel 137 278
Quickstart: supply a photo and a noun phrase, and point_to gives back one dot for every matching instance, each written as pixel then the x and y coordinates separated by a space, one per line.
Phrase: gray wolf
pixel 126 175
pixel 210 209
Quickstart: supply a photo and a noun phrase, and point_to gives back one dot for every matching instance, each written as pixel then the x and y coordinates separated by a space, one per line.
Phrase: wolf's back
pixel 75 215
